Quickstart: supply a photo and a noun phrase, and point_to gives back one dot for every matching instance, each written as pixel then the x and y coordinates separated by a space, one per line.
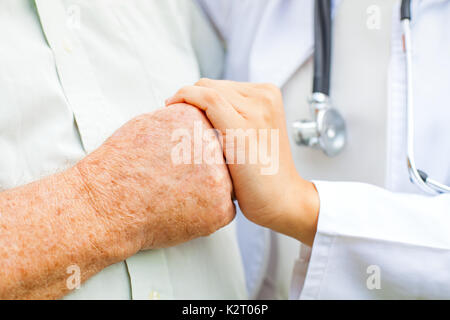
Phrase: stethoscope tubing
pixel 321 85
pixel 418 177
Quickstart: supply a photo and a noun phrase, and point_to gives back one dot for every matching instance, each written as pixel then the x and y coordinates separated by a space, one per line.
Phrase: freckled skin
pixel 175 202
pixel 238 105
pixel 125 197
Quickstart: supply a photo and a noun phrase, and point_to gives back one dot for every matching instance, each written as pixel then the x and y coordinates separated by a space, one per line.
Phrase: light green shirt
pixel 71 73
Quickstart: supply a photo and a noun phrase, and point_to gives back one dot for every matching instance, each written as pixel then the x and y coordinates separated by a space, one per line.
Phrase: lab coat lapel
pixel 283 41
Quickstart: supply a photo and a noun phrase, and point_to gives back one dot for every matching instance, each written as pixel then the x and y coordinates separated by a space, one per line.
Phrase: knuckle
pixel 222 219
pixel 272 94
pixel 229 214
pixel 212 225
pixel 266 116
pixel 271 87
pixel 184 91
pixel 211 97
pixel 267 100
pixel 204 82
pixel 181 92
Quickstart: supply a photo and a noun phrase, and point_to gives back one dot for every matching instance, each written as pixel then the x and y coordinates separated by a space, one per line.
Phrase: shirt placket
pixel 94 119
pixel 148 271
pixel 149 275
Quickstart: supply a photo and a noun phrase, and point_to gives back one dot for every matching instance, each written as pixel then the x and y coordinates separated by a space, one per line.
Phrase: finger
pixel 245 89
pixel 219 111
pixel 248 98
pixel 239 88
pixel 235 92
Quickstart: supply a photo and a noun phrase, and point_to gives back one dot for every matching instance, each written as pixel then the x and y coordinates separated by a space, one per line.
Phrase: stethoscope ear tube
pixel 418 177
pixel 322 52
pixel 405 10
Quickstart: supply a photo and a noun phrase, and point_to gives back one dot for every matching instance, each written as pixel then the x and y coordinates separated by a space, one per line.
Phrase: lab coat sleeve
pixel 375 244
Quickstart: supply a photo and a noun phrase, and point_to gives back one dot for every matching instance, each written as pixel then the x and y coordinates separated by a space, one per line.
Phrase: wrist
pixel 302 211
pixel 115 236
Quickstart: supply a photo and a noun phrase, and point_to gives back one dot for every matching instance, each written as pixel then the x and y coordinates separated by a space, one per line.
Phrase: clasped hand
pixel 280 200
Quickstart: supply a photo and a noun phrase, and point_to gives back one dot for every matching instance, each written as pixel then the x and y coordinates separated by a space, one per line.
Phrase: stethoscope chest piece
pixel 327 129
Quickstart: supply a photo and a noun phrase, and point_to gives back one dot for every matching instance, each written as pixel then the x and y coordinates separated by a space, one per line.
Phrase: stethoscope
pixel 327 130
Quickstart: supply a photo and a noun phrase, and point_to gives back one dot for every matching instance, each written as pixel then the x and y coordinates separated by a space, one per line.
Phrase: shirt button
pixel 154 295
pixel 67 45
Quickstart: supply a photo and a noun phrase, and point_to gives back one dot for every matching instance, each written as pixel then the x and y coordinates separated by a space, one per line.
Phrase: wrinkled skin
pixel 124 197
pixel 132 180
pixel 238 105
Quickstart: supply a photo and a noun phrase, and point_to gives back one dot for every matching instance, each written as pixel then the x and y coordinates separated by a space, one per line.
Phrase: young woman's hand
pixel 269 190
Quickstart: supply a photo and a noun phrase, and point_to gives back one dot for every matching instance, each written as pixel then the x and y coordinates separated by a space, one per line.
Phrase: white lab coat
pixel 371 242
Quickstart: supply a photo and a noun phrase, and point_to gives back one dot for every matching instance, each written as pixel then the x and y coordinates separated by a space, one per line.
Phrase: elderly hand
pixel 133 182
pixel 269 190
